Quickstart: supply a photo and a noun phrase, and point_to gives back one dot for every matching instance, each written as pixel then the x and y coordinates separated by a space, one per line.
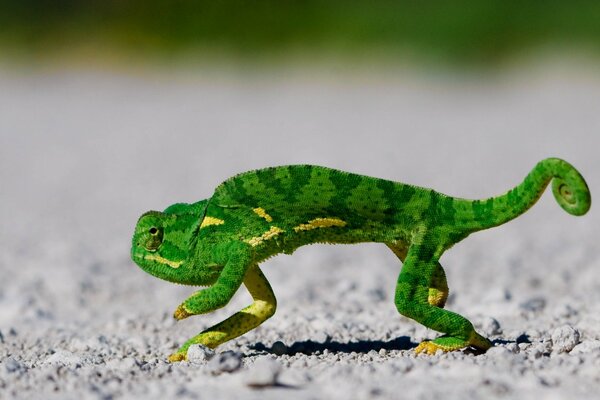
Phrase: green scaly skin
pixel 219 242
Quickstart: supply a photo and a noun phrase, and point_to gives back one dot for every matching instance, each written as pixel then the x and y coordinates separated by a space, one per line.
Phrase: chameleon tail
pixel 568 186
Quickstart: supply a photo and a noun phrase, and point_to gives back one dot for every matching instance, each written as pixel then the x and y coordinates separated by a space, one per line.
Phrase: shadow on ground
pixel 363 346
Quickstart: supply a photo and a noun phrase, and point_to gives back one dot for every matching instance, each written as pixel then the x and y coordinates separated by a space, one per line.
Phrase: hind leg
pixel 438 291
pixel 419 274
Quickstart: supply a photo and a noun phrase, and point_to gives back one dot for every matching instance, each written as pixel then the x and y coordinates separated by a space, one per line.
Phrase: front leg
pixel 260 310
pixel 236 261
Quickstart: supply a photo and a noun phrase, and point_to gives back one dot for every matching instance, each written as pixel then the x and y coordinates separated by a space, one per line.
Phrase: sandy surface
pixel 83 154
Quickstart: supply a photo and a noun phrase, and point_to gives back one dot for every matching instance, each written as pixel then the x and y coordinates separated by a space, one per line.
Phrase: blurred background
pixel 485 33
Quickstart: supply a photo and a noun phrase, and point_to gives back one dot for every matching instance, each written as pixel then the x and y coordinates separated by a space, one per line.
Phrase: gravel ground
pixel 83 154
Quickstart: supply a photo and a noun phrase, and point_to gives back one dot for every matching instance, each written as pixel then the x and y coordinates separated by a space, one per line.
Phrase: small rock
pixel 490 326
pixel 1 337
pixel 497 295
pixel 227 361
pixel 498 388
pixel 320 337
pixel 498 352
pixel 512 347
pixel 564 339
pixel 539 350
pixel 402 365
pixel 524 346
pixel 63 357
pixel 279 348
pixel 550 381
pixel 199 354
pixel 125 364
pixel 546 345
pixel 534 305
pixel 587 346
pixel 295 377
pixel 564 311
pixel 533 334
pixel 263 373
pixel 13 366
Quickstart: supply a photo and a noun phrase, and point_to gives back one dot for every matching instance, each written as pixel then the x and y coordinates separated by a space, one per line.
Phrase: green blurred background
pixel 480 33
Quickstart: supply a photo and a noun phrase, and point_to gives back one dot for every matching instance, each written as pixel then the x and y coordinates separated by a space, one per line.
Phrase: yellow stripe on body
pixel 271 233
pixel 262 213
pixel 208 221
pixel 320 223
pixel 162 260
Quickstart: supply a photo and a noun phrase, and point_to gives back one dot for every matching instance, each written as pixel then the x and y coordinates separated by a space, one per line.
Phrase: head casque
pixel 163 244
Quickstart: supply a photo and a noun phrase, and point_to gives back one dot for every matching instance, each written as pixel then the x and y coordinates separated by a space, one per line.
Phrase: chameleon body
pixel 219 242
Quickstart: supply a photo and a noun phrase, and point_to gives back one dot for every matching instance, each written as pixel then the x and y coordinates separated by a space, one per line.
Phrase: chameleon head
pixel 164 245
pixel 159 246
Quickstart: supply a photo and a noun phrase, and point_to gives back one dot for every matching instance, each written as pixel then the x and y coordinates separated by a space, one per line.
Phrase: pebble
pixel 498 352
pixel 263 373
pixel 587 346
pixel 63 357
pixel 320 337
pixel 125 364
pixel 533 305
pixel 564 311
pixel 564 339
pixel 199 354
pixel 14 366
pixel 227 361
pixel 512 347
pixel 490 326
pixel 402 365
pixel 497 295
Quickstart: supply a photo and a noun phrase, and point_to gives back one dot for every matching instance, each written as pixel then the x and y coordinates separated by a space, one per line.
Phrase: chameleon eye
pixel 155 239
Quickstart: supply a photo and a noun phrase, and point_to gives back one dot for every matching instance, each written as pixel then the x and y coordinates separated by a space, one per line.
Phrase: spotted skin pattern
pixel 219 242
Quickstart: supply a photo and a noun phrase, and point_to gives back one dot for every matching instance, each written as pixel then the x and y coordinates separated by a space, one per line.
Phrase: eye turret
pixel 155 238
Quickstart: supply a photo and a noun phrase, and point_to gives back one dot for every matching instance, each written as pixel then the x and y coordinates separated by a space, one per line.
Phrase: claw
pixel 430 348
pixel 181 313
pixel 176 357
pixel 427 347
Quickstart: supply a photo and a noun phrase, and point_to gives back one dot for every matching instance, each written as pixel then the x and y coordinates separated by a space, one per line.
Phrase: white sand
pixel 83 154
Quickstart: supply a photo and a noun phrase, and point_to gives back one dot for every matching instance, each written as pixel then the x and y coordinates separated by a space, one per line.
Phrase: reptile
pixel 218 242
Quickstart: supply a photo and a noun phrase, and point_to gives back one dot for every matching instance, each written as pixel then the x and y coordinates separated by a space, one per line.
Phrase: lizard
pixel 219 242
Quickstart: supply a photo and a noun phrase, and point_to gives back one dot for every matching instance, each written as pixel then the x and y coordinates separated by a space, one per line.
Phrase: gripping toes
pixel 178 356
pixel 430 348
pixel 181 313
pixel 449 343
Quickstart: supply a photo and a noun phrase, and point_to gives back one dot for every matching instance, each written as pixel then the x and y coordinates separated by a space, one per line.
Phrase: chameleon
pixel 219 242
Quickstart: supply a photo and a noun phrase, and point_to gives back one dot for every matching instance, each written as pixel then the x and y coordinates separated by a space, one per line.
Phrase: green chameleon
pixel 220 241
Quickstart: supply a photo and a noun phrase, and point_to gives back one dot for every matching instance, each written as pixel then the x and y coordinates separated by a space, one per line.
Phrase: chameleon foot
pixel 181 313
pixel 430 348
pixel 176 357
pixel 450 343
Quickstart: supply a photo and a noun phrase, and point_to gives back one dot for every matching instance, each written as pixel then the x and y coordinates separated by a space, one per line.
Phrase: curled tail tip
pixel 569 188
